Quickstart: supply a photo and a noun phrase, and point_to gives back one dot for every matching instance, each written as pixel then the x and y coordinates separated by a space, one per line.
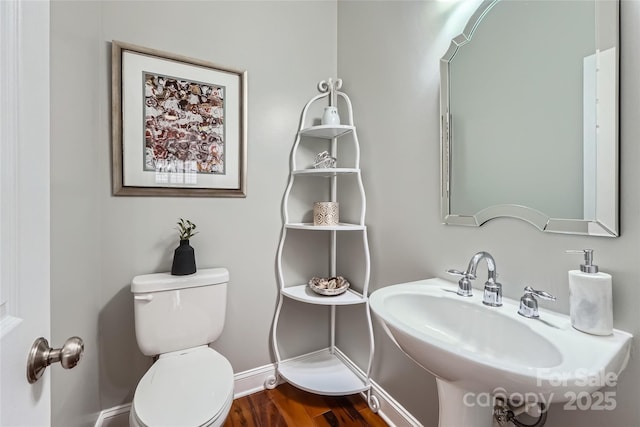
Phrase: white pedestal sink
pixel 476 351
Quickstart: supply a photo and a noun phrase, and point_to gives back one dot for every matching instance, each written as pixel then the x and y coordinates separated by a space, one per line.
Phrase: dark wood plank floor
pixel 287 406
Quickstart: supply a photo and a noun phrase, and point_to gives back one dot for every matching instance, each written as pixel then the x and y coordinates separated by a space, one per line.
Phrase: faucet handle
pixel 462 274
pixel 541 294
pixel 464 284
pixel 529 304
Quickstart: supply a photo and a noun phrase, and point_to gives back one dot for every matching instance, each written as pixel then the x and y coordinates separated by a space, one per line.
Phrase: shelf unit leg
pixel 371 340
pixel 333 258
pixel 333 329
pixel 274 335
pixel 333 273
pixel 372 400
pixel 271 382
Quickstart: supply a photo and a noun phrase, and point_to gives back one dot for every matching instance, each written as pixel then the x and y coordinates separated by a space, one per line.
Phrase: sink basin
pixel 473 348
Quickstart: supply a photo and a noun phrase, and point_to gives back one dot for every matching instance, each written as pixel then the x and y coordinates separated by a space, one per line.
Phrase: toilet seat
pixel 191 387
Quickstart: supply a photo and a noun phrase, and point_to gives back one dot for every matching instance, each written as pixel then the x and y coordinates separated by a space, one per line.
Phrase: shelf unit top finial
pixel 330 86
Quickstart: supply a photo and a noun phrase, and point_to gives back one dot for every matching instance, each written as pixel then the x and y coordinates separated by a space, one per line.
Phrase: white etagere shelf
pixel 323 372
pixel 304 294
pixel 325 172
pixel 327 131
pixel 327 371
pixel 340 226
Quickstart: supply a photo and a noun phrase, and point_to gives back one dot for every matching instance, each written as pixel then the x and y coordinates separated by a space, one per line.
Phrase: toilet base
pixel 217 422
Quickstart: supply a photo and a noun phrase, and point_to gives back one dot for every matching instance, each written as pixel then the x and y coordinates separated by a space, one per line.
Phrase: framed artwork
pixel 179 125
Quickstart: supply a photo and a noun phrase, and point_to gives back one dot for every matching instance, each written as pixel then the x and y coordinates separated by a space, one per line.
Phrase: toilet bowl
pixel 190 384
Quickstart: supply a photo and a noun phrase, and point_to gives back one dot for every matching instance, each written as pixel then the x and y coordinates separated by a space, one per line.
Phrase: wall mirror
pixel 529 116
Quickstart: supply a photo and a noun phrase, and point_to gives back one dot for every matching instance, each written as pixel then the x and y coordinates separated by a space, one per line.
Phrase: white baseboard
pixel 253 381
pixel 391 411
pixel 107 415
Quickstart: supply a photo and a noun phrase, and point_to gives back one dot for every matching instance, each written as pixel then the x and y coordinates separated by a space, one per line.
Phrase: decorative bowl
pixel 329 286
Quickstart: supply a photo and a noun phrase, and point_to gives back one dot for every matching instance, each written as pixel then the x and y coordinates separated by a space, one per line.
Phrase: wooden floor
pixel 286 406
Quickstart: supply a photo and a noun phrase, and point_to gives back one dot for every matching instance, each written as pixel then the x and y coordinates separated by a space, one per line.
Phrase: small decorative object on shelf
pixel 330 116
pixel 329 287
pixel 326 213
pixel 324 160
pixel 184 258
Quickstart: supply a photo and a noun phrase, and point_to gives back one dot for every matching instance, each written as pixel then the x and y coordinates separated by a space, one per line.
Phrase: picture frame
pixel 179 125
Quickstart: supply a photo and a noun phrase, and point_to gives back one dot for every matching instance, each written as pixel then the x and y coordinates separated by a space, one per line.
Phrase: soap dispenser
pixel 590 300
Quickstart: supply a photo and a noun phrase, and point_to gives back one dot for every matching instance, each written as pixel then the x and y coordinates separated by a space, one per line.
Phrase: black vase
pixel 184 259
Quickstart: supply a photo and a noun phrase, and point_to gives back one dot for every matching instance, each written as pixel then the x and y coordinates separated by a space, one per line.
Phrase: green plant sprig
pixel 186 229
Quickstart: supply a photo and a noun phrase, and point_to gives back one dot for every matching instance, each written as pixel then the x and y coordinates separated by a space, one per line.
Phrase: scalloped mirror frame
pixel 607 194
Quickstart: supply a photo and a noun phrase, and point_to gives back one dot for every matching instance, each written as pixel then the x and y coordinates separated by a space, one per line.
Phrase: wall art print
pixel 179 125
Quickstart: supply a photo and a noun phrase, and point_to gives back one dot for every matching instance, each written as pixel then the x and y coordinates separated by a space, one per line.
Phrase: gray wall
pixel 99 242
pixel 388 54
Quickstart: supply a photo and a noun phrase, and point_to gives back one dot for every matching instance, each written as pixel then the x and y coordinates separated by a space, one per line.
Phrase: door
pixel 24 207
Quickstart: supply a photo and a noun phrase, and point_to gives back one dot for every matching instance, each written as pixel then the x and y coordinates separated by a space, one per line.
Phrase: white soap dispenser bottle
pixel 590 299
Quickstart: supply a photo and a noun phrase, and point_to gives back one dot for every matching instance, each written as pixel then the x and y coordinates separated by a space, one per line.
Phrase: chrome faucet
pixel 492 289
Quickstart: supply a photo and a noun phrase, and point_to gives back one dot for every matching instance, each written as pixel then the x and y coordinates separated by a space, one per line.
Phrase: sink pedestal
pixel 458 411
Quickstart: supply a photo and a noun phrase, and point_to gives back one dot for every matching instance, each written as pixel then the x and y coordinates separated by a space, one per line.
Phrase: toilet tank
pixel 177 312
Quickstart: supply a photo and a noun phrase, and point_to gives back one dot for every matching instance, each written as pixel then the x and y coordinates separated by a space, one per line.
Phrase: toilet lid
pixel 187 388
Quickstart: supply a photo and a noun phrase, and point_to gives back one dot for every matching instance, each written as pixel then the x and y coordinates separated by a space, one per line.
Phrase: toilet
pixel 176 317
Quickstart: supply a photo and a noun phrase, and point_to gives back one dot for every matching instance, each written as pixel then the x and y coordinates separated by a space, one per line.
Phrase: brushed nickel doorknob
pixel 41 356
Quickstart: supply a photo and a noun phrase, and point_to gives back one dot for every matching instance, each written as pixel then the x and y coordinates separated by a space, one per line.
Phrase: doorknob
pixel 41 356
